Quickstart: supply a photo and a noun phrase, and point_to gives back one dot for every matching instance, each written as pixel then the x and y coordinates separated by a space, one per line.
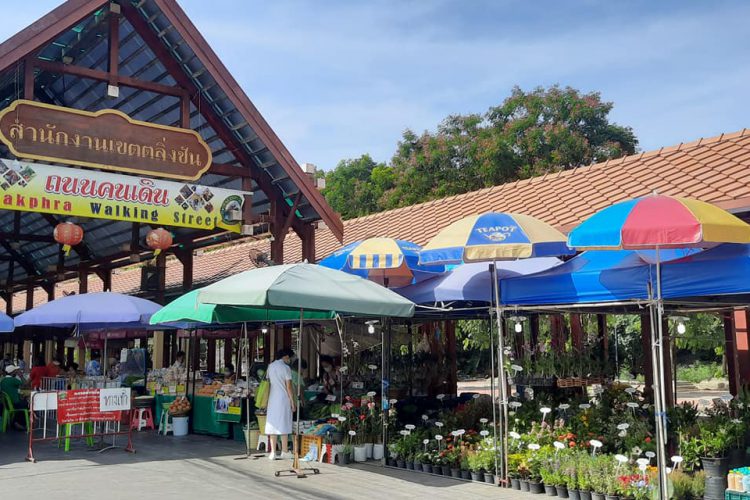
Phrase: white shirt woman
pixel 280 402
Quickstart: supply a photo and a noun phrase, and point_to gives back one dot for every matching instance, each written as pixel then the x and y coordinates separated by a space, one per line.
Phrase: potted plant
pixel 535 476
pixel 548 475
pixel 569 473
pixel 464 464
pixel 514 474
pixel 583 477
pixel 523 472
pixel 345 453
pixel 426 462
pixel 488 465
pixel 453 457
pixel 475 466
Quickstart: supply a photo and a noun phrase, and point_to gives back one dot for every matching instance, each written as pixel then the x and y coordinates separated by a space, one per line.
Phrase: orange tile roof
pixel 712 169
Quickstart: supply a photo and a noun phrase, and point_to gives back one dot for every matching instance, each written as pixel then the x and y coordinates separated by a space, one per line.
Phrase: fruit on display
pixel 209 389
pixel 179 407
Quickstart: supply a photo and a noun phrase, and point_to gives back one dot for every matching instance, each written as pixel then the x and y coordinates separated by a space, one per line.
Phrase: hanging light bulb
pixel 518 327
pixel 681 328
pixel 264 329
pixel 370 328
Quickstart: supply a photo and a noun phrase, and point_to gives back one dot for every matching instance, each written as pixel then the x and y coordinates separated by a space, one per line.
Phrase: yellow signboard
pixel 36 187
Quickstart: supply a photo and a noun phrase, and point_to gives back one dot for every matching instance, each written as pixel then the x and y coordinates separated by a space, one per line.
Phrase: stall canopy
pixel 91 311
pixel 722 270
pixel 471 283
pixel 307 287
pixel 186 312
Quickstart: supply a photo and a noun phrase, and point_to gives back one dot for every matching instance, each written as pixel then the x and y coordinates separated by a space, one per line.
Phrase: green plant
pixel 515 461
pixel 475 461
pixel 699 484
pixel 583 477
pixel 715 439
pixel 699 372
pixel 690 450
pixel 683 486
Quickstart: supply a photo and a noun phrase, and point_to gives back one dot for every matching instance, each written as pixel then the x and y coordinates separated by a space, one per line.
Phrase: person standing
pixel 93 367
pixel 281 403
pixel 38 372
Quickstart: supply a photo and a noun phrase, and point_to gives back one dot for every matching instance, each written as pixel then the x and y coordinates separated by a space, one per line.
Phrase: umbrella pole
pixel 493 274
pixel 503 403
pixel 661 415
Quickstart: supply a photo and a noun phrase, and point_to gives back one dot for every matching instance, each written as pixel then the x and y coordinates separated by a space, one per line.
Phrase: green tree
pixel 354 187
pixel 529 134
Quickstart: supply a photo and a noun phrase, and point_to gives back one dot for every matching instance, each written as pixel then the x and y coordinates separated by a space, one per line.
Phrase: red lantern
pixel 158 240
pixel 68 235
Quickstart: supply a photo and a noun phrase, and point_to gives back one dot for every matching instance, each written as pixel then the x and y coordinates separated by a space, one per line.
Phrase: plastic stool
pixel 143 419
pixel 165 421
pixel 87 428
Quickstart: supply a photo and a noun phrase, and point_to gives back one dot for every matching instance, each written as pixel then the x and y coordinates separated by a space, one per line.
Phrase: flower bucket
pixel 251 438
pixel 180 426
pixel 715 467
pixel 456 473
pixel 427 468
pixel 562 491
pixel 611 497
pixel 360 453
pixel 584 494
pixel 446 470
pixel 409 465
pixel 401 464
pixel 550 490
pixel 343 458
pixel 715 488
pixel 489 478
pixel 537 488
pixel 515 483
pixel 465 474
pixel 377 451
pixel 574 495
pixel 418 467
pixel 716 477
pixel 368 450
pixel 597 496
pixel 261 423
pixel 524 483
pixel 477 476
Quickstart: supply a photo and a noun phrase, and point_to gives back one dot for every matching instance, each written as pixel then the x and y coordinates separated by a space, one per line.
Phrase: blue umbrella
pixel 91 311
pixel 390 262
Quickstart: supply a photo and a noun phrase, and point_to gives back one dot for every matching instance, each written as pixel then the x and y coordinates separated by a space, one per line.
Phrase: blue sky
pixel 336 79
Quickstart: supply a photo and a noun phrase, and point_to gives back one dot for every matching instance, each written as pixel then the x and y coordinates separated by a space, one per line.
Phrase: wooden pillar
pixel 211 355
pixel 107 280
pixel 50 293
pixel 603 335
pixel 29 296
pixel 450 352
pixel 534 335
pixel 277 230
pixel 730 351
pixel 174 347
pixel 557 332
pixel 195 344
pixel 576 332
pixel 648 371
pixel 9 303
pixel 228 351
pixel 161 276
pixel 60 348
pixel 83 280
pixel 742 343
pixel 158 350
pixel 308 243
pixel 187 271
pixel 286 339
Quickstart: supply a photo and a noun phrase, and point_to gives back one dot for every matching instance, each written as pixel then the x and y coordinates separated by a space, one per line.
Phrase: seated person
pixel 38 372
pixel 230 377
pixel 94 367
pixel 11 385
pixel 54 368
pixel 331 375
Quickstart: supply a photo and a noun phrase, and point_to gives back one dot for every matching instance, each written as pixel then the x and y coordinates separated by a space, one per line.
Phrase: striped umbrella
pixel 390 262
pixel 491 237
pixel 494 236
pixel 658 222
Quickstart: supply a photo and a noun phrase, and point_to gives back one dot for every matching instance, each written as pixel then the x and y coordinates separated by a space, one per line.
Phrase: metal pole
pixel 661 415
pixel 493 276
pixel 503 403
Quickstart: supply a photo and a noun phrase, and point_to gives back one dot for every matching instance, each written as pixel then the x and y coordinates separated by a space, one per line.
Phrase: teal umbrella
pixel 187 309
pixel 306 287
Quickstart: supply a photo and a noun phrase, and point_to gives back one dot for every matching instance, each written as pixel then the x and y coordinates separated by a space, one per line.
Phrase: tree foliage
pixel 529 134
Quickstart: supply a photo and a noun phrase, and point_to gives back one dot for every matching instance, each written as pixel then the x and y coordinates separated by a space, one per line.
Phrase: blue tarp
pixel 471 282
pixel 723 270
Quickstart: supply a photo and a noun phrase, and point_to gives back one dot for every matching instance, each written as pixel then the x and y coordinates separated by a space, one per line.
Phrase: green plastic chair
pixel 9 411
pixel 67 431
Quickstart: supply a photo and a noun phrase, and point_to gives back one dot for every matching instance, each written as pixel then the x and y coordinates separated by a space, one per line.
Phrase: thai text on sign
pixel 82 405
pixel 106 139
pixel 36 187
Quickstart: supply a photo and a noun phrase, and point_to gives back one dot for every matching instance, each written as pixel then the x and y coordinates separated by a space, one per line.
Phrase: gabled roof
pixel 158 44
pixel 714 170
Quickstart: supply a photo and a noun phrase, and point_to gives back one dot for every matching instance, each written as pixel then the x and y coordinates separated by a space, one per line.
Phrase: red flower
pixel 362 417
pixel 572 444
pixel 648 439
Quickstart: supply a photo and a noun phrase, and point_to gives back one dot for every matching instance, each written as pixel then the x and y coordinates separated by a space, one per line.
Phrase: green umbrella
pixel 307 287
pixel 187 309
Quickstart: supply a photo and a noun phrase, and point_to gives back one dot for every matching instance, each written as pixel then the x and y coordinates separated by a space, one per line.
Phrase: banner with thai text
pixel 37 187
pixel 85 405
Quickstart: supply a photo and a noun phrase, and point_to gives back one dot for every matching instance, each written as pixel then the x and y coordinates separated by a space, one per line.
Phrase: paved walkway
pixel 203 467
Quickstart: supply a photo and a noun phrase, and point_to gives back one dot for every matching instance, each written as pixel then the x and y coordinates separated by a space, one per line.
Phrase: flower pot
pixel 477 476
pixel 409 465
pixel 515 483
pixel 465 474
pixel 489 478
pixel 611 497
pixel 562 491
pixel 360 453
pixel 377 451
pixel 446 470
pixel 715 467
pixel 550 490
pixel 584 494
pixel 597 496
pixel 418 466
pixel 400 464
pixel 391 462
pixel 368 450
pixel 574 494
pixel 456 473
pixel 427 468
pixel 715 488
pixel 524 484
pixel 343 458
pixel 336 436
pixel 535 487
